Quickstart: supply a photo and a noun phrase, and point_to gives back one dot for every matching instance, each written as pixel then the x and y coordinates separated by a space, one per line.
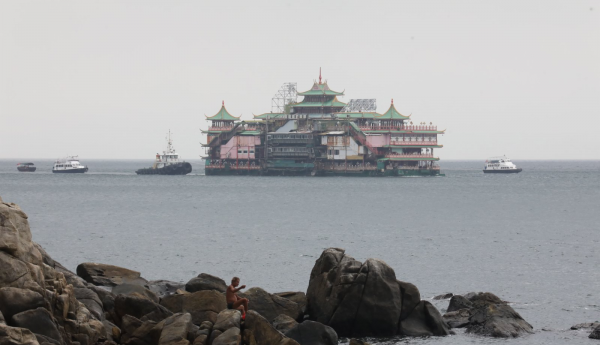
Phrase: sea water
pixel 530 238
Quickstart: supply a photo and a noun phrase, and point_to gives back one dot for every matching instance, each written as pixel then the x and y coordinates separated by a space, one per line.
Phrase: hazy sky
pixel 108 79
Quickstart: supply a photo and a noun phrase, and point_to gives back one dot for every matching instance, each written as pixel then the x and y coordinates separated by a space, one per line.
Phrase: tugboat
pixel 168 163
pixel 500 165
pixel 69 165
pixel 26 167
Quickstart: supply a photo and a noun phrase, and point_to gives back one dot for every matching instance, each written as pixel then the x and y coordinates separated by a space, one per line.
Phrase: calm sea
pixel 531 238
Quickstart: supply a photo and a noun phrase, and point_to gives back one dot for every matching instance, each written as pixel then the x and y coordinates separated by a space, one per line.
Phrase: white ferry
pixel 69 165
pixel 500 165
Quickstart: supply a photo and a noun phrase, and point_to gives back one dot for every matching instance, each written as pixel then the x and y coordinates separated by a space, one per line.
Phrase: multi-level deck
pixel 317 138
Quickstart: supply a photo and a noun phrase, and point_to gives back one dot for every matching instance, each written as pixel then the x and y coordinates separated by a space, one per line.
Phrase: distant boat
pixel 26 167
pixel 69 165
pixel 500 165
pixel 168 163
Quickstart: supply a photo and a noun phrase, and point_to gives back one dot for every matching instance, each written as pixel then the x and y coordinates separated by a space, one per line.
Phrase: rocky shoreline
pixel 43 303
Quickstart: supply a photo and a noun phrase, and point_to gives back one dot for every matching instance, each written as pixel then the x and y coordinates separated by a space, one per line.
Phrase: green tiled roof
pixel 271 115
pixel 368 115
pixel 331 103
pixel 223 115
pixel 249 133
pixel 320 89
pixel 392 113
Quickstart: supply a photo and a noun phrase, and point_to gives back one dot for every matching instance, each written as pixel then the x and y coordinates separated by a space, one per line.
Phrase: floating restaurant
pixel 321 136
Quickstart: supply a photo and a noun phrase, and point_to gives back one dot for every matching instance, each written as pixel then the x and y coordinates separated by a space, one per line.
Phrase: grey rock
pixel 14 300
pixel 458 318
pixel 424 320
pixel 494 317
pixel 313 333
pixel 177 330
pixel 128 326
pixel 270 306
pixel 410 298
pixel 231 336
pixel 203 305
pixel 587 325
pixel 108 275
pixel 201 339
pixel 227 319
pixel 213 335
pixel 295 296
pixel 284 323
pixel 444 296
pixel 38 321
pixel 262 332
pixel 16 335
pixel 91 300
pixel 206 281
pixel 595 333
pixel 358 342
pixel 206 325
pixel 458 302
pixel 163 288
pixel 135 290
pixel 140 307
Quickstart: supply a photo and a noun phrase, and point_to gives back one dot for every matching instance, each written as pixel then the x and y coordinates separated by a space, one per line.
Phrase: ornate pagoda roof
pixel 358 115
pixel 222 115
pixel 319 89
pixel 329 103
pixel 392 113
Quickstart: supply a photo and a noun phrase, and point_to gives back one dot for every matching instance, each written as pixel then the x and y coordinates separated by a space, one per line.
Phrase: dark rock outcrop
pixel 141 308
pixel 270 305
pixel 15 300
pixel 313 333
pixel 493 317
pixel 365 299
pixel 206 281
pixel 232 336
pixel 424 320
pixel 16 336
pixel 178 329
pixel 595 333
pixel 458 318
pixel 135 290
pixel 38 321
pixel 295 296
pixel 459 302
pixel 260 331
pixel 108 275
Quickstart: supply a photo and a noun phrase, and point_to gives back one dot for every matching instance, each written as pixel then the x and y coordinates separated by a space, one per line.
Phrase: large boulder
pixel 313 333
pixel 16 336
pixel 15 300
pixel 178 329
pixel 203 305
pixel 298 297
pixel 356 299
pixel 424 320
pixel 493 317
pixel 458 318
pixel 227 319
pixel 135 290
pixel 140 307
pixel 206 281
pixel 91 300
pixel 270 305
pixel 108 275
pixel 38 321
pixel 595 333
pixel 231 336
pixel 410 298
pixel 259 331
pixel 284 323
pixel 459 302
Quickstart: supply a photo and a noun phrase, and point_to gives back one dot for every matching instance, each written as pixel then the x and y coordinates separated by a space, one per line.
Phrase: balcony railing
pixel 392 155
pixel 233 167
pixel 224 129
pixel 399 128
pixel 418 143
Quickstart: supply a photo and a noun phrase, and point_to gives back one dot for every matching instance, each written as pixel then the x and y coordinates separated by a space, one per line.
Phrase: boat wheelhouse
pixel 500 165
pixel 69 165
pixel 26 167
pixel 317 137
pixel 168 163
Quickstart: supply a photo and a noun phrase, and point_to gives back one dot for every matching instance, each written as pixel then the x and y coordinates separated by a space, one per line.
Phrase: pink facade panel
pixel 240 147
pixel 378 140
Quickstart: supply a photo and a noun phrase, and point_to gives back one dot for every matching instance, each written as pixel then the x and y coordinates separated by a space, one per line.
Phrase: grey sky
pixel 108 79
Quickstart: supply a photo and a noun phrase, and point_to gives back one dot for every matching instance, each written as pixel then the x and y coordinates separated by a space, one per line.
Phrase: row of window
pixel 331 152
pixel 64 166
pixel 289 149
pixel 289 136
pixel 240 151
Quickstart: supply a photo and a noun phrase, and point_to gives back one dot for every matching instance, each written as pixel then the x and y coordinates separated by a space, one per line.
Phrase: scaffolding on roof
pixel 287 94
pixel 360 105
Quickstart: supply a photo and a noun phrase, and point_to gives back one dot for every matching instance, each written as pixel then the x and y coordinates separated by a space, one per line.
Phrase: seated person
pixel 233 300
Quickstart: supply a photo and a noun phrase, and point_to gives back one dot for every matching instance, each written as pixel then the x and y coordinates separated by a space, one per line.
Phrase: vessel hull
pixel 350 173
pixel 24 169
pixel 71 171
pixel 174 169
pixel 505 171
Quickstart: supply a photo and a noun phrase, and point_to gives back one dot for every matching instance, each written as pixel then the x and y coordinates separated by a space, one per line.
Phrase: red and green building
pixel 316 137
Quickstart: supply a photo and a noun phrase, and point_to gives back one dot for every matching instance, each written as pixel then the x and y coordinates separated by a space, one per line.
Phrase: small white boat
pixel 69 165
pixel 500 165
